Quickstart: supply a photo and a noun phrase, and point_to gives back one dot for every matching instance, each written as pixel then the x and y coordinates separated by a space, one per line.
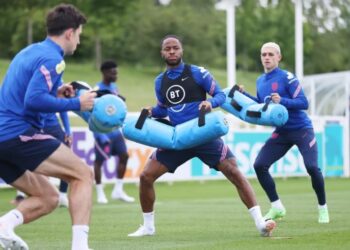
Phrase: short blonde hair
pixel 272 45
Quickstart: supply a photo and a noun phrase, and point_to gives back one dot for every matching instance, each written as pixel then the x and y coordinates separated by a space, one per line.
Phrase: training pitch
pixel 202 215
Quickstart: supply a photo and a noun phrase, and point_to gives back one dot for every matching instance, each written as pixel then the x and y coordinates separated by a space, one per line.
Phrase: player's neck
pixel 269 70
pixel 168 66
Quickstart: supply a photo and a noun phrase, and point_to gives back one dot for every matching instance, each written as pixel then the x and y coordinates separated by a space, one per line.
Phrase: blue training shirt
pixel 292 97
pixel 183 112
pixel 51 120
pixel 29 89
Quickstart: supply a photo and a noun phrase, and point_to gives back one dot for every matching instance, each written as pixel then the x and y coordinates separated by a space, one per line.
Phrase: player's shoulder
pixel 159 78
pixel 199 72
pixel 49 56
pixel 288 76
pixel 199 69
pixel 260 78
pixel 37 55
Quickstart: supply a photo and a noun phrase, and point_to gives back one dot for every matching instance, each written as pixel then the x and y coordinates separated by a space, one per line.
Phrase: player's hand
pixel 207 106
pixel 241 88
pixel 66 90
pixel 275 98
pixel 68 140
pixel 149 109
pixel 87 100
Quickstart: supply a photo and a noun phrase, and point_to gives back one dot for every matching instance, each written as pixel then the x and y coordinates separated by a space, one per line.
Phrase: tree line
pixel 131 30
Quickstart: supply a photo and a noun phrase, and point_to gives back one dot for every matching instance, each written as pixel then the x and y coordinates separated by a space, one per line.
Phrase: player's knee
pixel 313 171
pixel 260 167
pixel 85 174
pixel 229 166
pixel 90 175
pixel 123 158
pixel 50 201
pixel 146 178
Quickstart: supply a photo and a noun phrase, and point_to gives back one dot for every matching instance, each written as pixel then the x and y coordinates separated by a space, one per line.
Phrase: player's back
pixel 14 118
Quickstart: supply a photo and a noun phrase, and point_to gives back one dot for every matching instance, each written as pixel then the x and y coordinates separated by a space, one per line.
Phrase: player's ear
pixel 68 33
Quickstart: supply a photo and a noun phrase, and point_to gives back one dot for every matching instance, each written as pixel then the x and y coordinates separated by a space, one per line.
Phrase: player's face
pixel 73 37
pixel 110 75
pixel 172 52
pixel 270 58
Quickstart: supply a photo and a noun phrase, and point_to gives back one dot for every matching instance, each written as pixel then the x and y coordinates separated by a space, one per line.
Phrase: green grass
pixel 202 215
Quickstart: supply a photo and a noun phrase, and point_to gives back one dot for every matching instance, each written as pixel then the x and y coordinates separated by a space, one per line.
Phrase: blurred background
pixel 131 30
pixel 313 35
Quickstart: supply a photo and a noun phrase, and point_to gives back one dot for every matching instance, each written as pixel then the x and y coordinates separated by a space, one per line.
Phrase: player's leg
pixel 306 142
pixel 152 171
pixel 57 132
pixel 118 148
pixel 17 156
pixel 42 199
pixel 101 154
pixel 224 161
pixel 275 147
pixel 42 196
pixel 64 164
pixel 160 162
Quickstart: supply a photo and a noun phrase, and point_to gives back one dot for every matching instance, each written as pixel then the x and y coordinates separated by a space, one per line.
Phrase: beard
pixel 173 63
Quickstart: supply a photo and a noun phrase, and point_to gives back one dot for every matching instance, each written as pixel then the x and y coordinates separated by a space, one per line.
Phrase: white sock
pixel 323 206
pixel 255 213
pixel 99 189
pixel 12 219
pixel 21 193
pixel 148 220
pixel 118 185
pixel 63 195
pixel 277 204
pixel 80 237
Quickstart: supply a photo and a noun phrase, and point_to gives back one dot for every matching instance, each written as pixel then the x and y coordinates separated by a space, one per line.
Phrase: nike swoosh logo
pixel 183 79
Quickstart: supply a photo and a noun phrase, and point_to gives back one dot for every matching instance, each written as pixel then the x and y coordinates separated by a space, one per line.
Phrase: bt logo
pixel 175 94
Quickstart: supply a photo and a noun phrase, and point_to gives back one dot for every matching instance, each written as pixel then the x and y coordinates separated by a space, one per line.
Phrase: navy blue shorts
pixel 211 153
pixel 25 152
pixel 56 131
pixel 117 146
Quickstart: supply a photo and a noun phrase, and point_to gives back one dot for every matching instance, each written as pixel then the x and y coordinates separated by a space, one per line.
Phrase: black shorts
pixel 211 153
pixel 25 152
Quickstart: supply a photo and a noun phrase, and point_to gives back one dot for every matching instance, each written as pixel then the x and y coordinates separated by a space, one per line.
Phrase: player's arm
pixel 210 85
pixel 298 99
pixel 160 110
pixel 65 122
pixel 44 80
pixel 66 126
pixel 255 98
pixel 38 98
